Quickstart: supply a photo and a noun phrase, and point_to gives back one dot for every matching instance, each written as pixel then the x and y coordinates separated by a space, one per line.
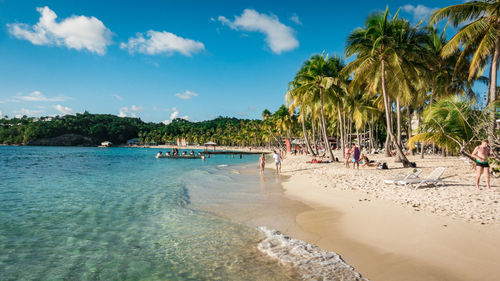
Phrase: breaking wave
pixel 310 261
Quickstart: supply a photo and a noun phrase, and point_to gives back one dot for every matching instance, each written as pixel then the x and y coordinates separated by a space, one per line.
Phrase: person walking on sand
pixel 347 153
pixel 277 161
pixel 481 153
pixel 355 156
pixel 262 163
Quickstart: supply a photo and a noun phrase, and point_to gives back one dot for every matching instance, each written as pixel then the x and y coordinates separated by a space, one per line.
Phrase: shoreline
pixel 384 239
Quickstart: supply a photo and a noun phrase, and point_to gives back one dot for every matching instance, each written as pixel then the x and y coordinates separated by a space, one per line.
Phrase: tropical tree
pixel 318 76
pixel 479 34
pixel 454 124
pixel 388 57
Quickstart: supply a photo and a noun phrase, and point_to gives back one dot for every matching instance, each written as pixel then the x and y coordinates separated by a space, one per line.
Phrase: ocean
pixel 70 213
pixel 75 213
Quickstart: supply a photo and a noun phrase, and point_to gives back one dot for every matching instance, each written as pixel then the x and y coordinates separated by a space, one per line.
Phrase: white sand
pixel 450 233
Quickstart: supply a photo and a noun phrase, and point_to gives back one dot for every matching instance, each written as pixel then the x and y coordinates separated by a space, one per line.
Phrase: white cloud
pixel 295 19
pixel 1 114
pixel 132 111
pixel 27 112
pixel 39 97
pixel 118 97
pixel 419 12
pixel 174 115
pixel 279 37
pixel 158 42
pixel 75 32
pixel 186 95
pixel 64 109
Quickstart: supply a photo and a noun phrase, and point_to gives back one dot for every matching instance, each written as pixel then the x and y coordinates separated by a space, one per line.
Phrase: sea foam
pixel 311 262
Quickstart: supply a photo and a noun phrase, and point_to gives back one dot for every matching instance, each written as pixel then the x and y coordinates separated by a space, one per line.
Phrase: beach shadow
pixel 297 170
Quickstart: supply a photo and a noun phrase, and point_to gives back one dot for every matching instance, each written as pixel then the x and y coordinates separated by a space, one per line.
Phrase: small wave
pixel 311 262
pixel 222 165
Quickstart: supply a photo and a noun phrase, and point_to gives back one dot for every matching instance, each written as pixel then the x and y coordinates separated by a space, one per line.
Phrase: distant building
pixel 134 141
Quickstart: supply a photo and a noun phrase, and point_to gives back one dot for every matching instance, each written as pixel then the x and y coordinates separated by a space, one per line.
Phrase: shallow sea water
pixel 70 213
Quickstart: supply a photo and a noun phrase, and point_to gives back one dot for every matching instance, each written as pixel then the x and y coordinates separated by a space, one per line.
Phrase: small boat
pixel 181 156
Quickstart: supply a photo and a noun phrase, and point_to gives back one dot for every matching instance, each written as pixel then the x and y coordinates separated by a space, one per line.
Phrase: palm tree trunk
pixel 398 120
pixel 304 131
pixel 323 124
pixel 408 134
pixel 493 90
pixel 315 145
pixel 341 123
pixel 399 152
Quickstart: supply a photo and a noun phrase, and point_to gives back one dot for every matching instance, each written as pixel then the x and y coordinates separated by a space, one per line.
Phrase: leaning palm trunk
pixel 493 90
pixel 398 120
pixel 323 125
pixel 304 130
pixel 408 134
pixel 399 152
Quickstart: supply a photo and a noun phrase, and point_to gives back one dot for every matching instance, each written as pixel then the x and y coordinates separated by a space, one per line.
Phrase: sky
pixel 161 60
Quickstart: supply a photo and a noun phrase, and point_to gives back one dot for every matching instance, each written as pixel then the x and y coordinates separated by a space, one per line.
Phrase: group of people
pixel 277 161
pixel 175 152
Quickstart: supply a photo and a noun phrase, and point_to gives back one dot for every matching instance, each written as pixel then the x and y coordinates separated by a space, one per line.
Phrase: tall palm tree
pixel 317 77
pixel 387 52
pixel 298 99
pixel 481 34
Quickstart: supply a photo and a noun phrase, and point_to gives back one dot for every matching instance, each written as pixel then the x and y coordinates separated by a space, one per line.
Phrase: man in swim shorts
pixel 355 156
pixel 481 153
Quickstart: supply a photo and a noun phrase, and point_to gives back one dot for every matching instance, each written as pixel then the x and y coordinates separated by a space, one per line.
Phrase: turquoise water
pixel 71 213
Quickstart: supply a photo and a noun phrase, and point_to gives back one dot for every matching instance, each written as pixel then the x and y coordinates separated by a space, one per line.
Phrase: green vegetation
pixel 105 127
pixel 401 72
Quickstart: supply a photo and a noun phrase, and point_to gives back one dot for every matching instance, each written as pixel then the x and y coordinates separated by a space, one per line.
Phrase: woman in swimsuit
pixel 347 153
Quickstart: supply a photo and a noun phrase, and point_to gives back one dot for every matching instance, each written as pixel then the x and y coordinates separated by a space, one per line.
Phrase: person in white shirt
pixel 277 161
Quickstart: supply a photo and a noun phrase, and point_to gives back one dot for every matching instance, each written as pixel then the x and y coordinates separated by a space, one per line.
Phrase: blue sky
pixel 163 59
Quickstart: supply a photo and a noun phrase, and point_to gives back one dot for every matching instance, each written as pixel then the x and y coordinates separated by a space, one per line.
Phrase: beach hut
pixel 210 143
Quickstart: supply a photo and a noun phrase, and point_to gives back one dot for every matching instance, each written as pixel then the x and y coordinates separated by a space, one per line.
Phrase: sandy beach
pixel 395 233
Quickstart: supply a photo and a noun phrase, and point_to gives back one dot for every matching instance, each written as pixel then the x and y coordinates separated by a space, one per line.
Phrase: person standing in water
pixel 262 163
pixel 481 153
pixel 277 161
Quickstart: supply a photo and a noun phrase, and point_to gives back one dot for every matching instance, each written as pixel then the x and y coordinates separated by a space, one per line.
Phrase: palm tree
pixel 385 50
pixel 450 124
pixel 316 78
pixel 480 34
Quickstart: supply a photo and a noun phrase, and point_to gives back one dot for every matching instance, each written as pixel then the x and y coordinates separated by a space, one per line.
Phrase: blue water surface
pixel 71 213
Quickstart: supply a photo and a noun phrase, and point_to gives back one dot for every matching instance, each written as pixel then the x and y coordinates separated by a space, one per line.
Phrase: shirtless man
pixel 481 153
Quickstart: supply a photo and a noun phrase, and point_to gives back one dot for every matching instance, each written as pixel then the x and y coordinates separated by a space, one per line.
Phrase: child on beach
pixel 262 163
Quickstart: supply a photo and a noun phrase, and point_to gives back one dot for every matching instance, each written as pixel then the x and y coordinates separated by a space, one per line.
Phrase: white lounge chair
pixel 412 174
pixel 434 178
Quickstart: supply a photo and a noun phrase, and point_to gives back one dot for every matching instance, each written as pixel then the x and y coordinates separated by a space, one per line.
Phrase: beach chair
pixel 434 178
pixel 412 174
